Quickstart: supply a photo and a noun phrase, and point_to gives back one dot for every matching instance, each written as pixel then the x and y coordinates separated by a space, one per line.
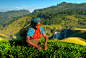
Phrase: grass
pixel 75 40
pixel 1 39
pixel 79 29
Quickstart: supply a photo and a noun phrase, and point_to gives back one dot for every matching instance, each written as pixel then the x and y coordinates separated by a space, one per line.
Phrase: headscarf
pixel 35 20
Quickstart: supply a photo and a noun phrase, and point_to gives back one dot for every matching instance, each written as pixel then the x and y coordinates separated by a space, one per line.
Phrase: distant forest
pixel 64 18
pixel 4 16
pixel 64 14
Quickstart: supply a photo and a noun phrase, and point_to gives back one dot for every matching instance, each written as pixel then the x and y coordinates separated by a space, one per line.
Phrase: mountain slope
pixel 51 15
pixel 71 18
pixel 66 20
pixel 4 16
pixel 14 28
pixel 61 7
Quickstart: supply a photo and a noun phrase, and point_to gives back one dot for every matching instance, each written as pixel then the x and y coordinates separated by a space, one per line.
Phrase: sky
pixel 31 5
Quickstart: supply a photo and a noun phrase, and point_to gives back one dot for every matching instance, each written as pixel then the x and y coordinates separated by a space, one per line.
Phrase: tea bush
pixel 56 49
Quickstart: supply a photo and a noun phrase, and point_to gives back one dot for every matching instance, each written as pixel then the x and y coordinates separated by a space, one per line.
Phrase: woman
pixel 34 33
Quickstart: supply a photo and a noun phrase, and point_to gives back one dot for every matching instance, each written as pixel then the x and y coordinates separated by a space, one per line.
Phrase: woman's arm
pixel 31 43
pixel 46 40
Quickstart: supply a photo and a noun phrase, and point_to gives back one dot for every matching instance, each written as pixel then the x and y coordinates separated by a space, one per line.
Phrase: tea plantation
pixel 56 49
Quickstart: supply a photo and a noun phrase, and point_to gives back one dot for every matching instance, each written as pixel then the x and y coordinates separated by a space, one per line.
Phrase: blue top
pixel 30 31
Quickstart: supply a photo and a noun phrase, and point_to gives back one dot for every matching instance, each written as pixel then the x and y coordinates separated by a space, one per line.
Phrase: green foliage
pixel 65 18
pixel 57 14
pixel 77 33
pixel 16 26
pixel 53 30
pixel 63 7
pixel 47 28
pixel 56 49
pixel 47 34
pixel 52 15
pixel 4 16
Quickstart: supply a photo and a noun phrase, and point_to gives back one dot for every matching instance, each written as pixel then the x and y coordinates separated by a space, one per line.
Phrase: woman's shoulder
pixel 41 27
pixel 41 30
pixel 30 28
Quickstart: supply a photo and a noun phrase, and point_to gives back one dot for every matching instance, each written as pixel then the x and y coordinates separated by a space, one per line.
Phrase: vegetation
pixel 4 16
pixel 67 15
pixel 54 20
pixel 61 8
pixel 56 49
pixel 63 15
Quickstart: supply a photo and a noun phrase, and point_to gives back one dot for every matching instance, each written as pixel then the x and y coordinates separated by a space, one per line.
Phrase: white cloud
pixel 33 6
pixel 30 8
pixel 16 7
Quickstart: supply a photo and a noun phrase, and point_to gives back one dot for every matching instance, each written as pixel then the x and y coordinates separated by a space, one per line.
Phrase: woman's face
pixel 37 25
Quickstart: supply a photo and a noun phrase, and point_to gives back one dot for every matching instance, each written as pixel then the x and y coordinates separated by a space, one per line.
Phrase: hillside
pixel 4 16
pixel 57 21
pixel 61 7
pixel 14 28
pixel 51 21
pixel 67 15
pixel 75 40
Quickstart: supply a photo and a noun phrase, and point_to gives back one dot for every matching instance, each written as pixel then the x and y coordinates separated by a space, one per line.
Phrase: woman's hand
pixel 39 48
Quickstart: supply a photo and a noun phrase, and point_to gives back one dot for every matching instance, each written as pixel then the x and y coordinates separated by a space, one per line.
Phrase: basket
pixel 23 35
